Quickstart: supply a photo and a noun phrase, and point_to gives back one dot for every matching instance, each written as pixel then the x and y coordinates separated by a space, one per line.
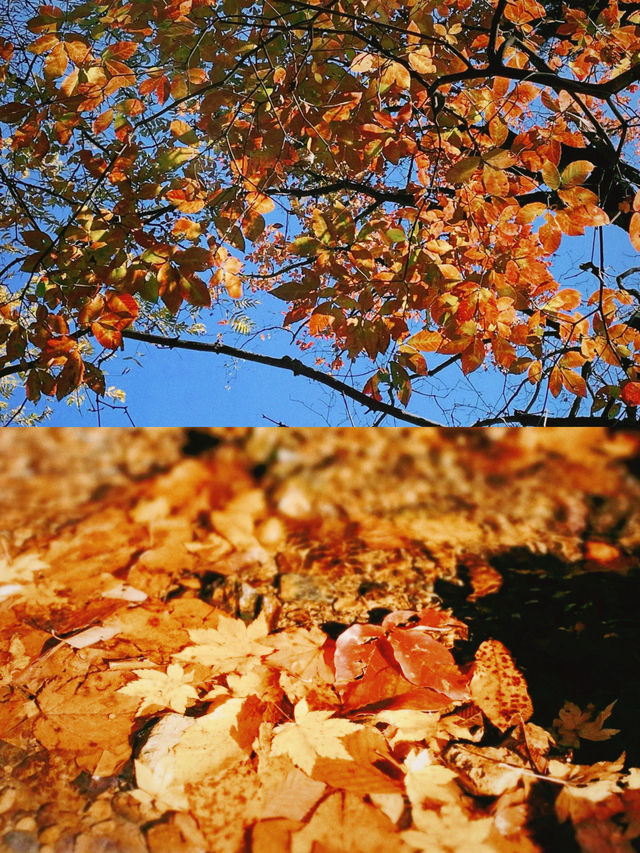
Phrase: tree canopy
pixel 398 173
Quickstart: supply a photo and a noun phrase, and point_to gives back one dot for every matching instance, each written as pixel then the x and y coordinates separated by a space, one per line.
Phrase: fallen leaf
pixel 573 724
pixel 344 822
pixel 313 734
pixel 229 646
pixel 498 688
pixel 170 689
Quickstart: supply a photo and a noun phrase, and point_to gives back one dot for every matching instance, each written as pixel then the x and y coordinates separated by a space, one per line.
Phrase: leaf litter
pixel 252 653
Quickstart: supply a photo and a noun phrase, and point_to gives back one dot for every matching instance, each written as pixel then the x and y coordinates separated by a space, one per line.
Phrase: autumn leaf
pixel 229 646
pixel 170 689
pixel 572 724
pixel 630 393
pixel 312 734
pixel 576 173
pixel 300 652
pixel 462 171
pixel 498 688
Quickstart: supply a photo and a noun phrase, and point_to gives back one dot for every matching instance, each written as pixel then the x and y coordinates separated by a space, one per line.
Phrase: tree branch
pixel 398 196
pixel 297 367
pixel 528 420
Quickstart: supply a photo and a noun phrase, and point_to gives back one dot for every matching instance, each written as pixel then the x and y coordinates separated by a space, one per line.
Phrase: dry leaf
pixel 573 724
pixel 162 690
pixel 498 688
pixel 343 823
pixel 313 734
pixel 228 647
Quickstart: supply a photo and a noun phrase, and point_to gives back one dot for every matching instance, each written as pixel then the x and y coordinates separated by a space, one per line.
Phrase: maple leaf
pixel 313 734
pixel 158 783
pixel 170 689
pixel 229 647
pixel 572 724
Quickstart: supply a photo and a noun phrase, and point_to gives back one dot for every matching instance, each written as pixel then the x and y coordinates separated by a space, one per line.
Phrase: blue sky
pixel 176 387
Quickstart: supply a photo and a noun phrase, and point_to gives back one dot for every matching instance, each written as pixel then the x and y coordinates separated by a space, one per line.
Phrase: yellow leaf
pixel 574 383
pixel 312 734
pixel 462 171
pixel 425 341
pixel 56 62
pixel 227 647
pixel 573 724
pixel 162 690
pixel 566 300
pixel 43 44
pixel 550 175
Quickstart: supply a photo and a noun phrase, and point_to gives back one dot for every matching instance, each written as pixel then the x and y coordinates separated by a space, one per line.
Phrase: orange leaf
pixel 555 381
pixel 259 203
pixel 574 383
pixel 495 181
pixel 534 374
pixel 122 304
pixel 103 121
pixel 107 337
pixel 576 173
pixel 566 300
pixel 572 359
pixel 498 130
pixel 473 356
pixel 56 62
pixel 425 341
pixel 630 393
pixel 121 50
pixel 184 204
pixel 498 688
pixel 550 236
pixel 78 51
pixel 420 60
pixel 634 231
pixel 43 44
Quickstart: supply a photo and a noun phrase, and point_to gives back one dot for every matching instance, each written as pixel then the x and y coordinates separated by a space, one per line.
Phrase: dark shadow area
pixel 575 637
pixel 199 442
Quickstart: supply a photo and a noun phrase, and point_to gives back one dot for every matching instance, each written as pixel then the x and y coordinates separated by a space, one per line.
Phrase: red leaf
pixel 630 393
pixel 354 650
pixel 427 663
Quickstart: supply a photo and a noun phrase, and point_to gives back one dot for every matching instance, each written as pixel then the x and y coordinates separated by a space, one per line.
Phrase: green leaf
pixel 305 246
pixel 396 235
pixel 174 158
